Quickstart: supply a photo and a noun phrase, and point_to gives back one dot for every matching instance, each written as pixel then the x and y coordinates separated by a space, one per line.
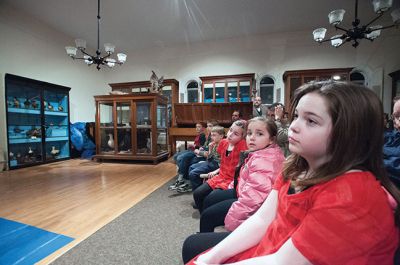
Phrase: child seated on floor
pixel 212 163
pixel 259 166
pixel 229 150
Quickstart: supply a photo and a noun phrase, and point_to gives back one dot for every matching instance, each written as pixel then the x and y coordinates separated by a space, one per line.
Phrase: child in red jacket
pixel 229 150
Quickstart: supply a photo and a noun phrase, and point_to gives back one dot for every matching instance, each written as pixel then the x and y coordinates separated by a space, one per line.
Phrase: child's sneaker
pixel 176 184
pixel 184 188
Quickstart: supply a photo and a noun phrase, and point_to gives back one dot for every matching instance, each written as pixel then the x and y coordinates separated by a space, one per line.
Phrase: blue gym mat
pixel 25 244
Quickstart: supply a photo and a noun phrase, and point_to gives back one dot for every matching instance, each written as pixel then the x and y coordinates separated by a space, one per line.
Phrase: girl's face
pixel 309 133
pixel 257 136
pixel 235 134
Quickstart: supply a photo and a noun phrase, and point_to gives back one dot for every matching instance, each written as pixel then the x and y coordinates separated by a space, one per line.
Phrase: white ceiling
pixel 138 24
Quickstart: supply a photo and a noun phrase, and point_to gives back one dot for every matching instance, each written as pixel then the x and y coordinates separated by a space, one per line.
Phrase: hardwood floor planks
pixel 77 197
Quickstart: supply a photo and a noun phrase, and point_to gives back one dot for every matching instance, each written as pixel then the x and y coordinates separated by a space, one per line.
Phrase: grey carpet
pixel 151 232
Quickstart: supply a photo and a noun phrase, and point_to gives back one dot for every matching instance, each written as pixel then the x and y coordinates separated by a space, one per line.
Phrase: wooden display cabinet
pixel 131 127
pixel 294 79
pixel 170 89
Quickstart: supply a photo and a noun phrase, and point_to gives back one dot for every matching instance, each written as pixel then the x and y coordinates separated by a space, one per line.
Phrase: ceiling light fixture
pixel 98 58
pixel 357 32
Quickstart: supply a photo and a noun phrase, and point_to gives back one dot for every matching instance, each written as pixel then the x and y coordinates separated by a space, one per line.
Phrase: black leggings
pixel 216 206
pixel 198 243
pixel 200 194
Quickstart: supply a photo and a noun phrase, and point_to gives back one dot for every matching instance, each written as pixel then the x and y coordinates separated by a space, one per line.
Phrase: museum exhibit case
pixel 132 127
pixel 37 117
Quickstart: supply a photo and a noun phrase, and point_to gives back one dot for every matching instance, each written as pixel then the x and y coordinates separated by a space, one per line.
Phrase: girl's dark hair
pixel 356 136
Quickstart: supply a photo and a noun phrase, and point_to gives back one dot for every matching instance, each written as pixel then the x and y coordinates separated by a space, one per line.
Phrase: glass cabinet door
pixel 143 127
pixel 208 93
pixel 161 129
pixel 232 92
pixel 24 124
pixel 124 129
pixel 244 91
pixel 107 140
pixel 219 92
pixel 55 108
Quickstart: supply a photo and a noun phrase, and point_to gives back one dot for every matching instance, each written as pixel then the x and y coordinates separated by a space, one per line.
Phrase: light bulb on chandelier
pixel 357 32
pixel 97 59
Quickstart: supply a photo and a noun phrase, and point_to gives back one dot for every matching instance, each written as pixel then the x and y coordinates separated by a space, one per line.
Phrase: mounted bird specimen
pixel 156 83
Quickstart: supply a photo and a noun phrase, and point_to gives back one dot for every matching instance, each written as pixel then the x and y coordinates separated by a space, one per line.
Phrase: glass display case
pixel 170 90
pixel 132 126
pixel 37 121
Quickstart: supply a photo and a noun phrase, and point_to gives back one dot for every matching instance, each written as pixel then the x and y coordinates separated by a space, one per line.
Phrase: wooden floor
pixel 77 197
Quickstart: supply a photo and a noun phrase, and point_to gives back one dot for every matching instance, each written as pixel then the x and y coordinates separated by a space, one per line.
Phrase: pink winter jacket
pixel 257 177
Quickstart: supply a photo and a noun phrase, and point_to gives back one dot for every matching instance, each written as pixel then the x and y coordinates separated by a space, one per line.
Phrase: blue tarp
pixel 25 244
pixel 81 141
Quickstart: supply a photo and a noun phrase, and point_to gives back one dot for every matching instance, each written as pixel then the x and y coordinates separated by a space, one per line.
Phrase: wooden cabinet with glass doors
pixel 131 127
pixel 294 79
pixel 227 88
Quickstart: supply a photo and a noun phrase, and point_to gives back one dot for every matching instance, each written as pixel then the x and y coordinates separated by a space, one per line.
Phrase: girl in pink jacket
pixel 262 163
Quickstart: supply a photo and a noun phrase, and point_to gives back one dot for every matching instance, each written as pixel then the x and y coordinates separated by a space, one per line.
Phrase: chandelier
pixel 97 59
pixel 356 33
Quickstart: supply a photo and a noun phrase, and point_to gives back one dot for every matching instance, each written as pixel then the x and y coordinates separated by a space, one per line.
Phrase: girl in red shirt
pixel 328 207
pixel 229 150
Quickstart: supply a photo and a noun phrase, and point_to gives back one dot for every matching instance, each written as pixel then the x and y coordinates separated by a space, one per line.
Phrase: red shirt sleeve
pixel 278 183
pixel 348 220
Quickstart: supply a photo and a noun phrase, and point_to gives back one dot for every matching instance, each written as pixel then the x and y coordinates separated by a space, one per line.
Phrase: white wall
pixel 272 55
pixel 31 49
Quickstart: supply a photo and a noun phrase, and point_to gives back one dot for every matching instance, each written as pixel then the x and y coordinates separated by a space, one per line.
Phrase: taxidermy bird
pixel 156 83
pixel 54 151
pixel 34 104
pixel 16 102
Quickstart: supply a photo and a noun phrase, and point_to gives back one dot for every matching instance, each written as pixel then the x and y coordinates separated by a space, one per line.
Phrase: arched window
pixel 357 77
pixel 193 92
pixel 267 90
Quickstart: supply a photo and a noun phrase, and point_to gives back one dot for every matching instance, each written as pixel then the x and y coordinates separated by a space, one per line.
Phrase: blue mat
pixel 25 244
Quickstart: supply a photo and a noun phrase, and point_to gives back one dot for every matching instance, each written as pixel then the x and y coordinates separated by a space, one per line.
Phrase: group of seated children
pixel 241 170
pixel 329 202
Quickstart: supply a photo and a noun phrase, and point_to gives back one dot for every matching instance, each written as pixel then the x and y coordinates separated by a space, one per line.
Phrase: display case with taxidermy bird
pixel 156 83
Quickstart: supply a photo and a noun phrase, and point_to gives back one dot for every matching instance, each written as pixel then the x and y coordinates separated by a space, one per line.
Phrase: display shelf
pixel 24 140
pixel 37 115
pixel 143 126
pixel 55 139
pixel 24 111
pixel 56 113
pixel 117 139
